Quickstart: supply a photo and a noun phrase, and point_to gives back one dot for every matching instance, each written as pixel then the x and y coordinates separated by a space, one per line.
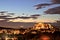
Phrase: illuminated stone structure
pixel 43 26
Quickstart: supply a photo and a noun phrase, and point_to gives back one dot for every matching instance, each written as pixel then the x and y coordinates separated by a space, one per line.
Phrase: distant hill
pixel 16 25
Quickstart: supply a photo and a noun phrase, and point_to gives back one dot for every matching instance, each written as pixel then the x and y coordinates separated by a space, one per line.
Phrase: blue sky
pixel 21 6
pixel 26 6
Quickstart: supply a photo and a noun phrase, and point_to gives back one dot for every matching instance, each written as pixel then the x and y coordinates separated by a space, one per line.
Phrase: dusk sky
pixel 22 6
pixel 27 6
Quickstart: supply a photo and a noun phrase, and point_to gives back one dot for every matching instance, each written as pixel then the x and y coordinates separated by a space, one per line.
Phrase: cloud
pixel 55 10
pixel 39 6
pixel 55 1
pixel 35 15
pixel 2 19
pixel 3 11
pixel 21 20
pixel 26 17
pixel 31 20
pixel 9 18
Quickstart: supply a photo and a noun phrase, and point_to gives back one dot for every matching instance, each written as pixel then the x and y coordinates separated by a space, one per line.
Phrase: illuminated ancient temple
pixel 45 27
